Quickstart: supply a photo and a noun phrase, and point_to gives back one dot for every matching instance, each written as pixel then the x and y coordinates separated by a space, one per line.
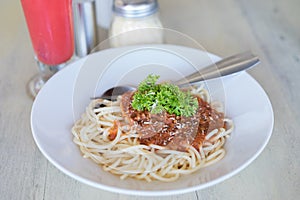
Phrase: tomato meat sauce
pixel 175 132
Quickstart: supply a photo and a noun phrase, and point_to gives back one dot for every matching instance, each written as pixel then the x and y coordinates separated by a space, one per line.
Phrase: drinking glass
pixel 50 27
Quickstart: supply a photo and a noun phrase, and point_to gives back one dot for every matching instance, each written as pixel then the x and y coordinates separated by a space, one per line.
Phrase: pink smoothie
pixel 51 29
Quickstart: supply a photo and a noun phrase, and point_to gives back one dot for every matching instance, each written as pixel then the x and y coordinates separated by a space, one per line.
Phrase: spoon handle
pixel 226 66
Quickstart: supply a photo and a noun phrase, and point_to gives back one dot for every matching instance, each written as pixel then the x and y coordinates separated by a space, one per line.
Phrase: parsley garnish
pixel 157 98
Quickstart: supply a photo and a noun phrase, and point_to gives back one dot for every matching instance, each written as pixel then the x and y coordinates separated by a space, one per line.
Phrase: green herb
pixel 157 98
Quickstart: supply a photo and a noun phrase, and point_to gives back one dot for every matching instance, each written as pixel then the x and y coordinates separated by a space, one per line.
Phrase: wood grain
pixel 270 28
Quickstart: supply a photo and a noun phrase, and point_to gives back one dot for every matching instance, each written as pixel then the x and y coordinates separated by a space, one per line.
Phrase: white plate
pixel 65 96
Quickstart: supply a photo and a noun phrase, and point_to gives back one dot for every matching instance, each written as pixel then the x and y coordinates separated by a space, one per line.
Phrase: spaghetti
pixel 107 137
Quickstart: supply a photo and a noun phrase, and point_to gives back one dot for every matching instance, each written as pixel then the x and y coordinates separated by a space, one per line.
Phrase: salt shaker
pixel 135 22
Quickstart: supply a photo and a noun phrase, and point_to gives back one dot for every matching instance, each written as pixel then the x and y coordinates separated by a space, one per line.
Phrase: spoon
pixel 224 67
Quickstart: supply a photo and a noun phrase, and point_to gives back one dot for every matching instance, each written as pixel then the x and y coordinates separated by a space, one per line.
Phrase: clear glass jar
pixel 135 22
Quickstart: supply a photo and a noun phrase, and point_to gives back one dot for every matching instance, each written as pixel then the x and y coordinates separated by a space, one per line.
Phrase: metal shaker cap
pixel 135 8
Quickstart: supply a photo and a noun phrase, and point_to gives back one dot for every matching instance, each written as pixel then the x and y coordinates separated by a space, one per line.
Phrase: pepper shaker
pixel 85 26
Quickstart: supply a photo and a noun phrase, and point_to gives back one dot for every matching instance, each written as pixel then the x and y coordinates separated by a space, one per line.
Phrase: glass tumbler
pixel 50 25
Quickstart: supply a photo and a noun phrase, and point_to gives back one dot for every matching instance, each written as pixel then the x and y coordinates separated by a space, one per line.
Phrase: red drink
pixel 51 29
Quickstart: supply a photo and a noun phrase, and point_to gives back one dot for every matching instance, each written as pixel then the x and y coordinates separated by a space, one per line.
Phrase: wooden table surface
pixel 270 28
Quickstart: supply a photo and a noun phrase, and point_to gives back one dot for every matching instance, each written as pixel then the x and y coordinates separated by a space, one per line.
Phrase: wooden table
pixel 270 28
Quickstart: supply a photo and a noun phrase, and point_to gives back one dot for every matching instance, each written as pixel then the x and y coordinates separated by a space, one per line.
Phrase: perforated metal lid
pixel 135 8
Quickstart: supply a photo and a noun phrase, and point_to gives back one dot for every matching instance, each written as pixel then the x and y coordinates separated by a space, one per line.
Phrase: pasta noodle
pixel 125 156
